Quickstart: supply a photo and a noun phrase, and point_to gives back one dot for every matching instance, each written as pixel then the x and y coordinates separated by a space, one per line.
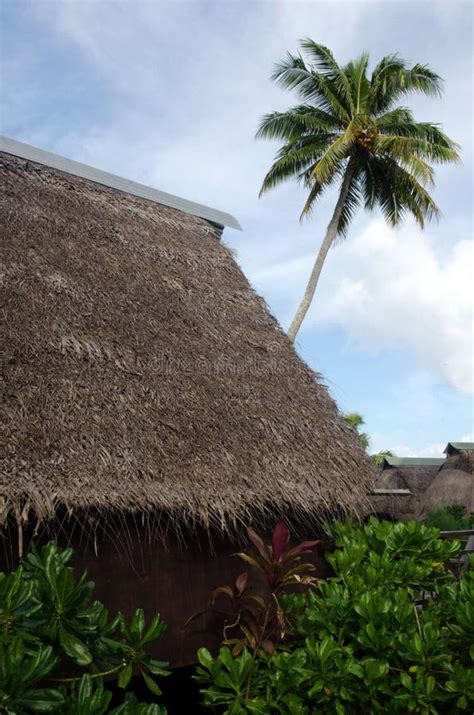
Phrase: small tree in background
pixel 356 421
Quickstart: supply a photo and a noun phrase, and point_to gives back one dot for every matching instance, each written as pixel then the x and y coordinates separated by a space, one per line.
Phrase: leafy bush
pixel 450 518
pixel 254 618
pixel 391 632
pixel 57 645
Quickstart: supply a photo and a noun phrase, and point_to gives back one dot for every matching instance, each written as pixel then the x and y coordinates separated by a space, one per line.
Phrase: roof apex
pixel 459 446
pixel 76 168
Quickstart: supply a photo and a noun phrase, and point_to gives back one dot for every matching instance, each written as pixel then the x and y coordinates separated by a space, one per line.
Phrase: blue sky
pixel 170 94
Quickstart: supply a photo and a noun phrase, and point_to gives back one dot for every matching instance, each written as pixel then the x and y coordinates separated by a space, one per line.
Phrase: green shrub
pixel 253 619
pixel 391 632
pixel 57 645
pixel 450 518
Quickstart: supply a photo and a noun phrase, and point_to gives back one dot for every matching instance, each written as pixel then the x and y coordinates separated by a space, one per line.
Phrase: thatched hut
pixel 153 405
pixel 400 483
pixel 454 483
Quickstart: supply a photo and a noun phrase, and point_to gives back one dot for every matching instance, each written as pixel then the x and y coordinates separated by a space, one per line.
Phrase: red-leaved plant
pixel 254 619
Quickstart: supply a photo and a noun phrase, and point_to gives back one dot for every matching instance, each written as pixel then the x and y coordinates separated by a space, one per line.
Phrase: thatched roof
pixel 143 373
pixel 456 447
pixel 408 462
pixel 450 486
pixel 414 477
pixel 460 458
pixel 454 483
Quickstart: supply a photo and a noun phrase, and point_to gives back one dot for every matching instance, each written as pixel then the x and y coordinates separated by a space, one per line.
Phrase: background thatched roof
pixel 453 484
pixel 142 372
pixel 450 486
pixel 415 478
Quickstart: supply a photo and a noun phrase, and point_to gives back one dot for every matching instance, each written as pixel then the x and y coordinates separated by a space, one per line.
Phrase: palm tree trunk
pixel 323 251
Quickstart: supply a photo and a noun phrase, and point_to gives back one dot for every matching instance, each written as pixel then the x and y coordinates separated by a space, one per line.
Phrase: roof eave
pixel 456 447
pixel 76 168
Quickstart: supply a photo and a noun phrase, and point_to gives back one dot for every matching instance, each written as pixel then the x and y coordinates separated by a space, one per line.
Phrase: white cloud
pixel 188 82
pixel 394 289
pixel 432 450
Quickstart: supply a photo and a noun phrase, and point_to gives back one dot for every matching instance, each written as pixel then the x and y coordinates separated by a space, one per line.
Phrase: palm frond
pixel 391 79
pixel 317 188
pixel 357 74
pixel 395 117
pixel 293 160
pixel 321 56
pixel 440 147
pixel 337 151
pixel 296 122
pixel 422 140
pixel 396 190
pixel 314 193
pixel 420 78
pixel 292 73
pixel 329 90
pixel 406 151
pixel 352 202
pixel 326 119
pixel 315 87
pixel 422 171
pixel 325 63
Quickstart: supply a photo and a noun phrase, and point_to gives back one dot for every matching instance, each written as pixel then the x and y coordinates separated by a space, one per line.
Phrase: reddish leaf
pixel 241 582
pixel 194 617
pixel 221 590
pixel 258 599
pixel 268 646
pixel 249 636
pixel 253 561
pixel 280 539
pixel 302 548
pixel 300 568
pixel 257 541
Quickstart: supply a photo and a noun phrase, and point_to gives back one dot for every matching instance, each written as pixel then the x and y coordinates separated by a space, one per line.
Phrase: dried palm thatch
pixel 144 375
pixel 462 459
pixel 414 478
pixel 454 484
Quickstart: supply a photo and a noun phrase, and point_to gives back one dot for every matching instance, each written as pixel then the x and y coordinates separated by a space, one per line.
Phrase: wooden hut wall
pixel 173 577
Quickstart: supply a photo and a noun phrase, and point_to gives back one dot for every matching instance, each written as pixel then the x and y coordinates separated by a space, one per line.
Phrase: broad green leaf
pixel 151 684
pixel 75 648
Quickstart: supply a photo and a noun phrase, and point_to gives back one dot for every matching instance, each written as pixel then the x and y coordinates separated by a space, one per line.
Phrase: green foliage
pixel 21 669
pixel 254 618
pixel 450 518
pixel 379 457
pixel 57 645
pixel 391 632
pixel 356 421
pixel 347 115
pixel 350 131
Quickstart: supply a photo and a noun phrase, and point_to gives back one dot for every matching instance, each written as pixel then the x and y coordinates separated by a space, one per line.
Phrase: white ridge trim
pixel 25 151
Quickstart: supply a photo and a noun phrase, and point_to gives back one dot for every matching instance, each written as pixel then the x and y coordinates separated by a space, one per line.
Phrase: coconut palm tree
pixel 350 131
